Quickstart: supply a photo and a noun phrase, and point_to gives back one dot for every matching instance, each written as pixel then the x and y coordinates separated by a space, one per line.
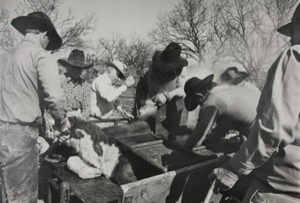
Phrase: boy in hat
pixel 29 81
pixel 104 95
pixel 231 107
pixel 272 148
pixel 163 84
pixel 76 90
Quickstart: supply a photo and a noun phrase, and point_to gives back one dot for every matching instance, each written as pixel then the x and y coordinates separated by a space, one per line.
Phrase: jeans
pixel 19 162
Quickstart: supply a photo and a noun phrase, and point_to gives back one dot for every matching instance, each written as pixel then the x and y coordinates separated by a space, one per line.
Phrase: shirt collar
pixel 70 79
pixel 107 79
pixel 31 40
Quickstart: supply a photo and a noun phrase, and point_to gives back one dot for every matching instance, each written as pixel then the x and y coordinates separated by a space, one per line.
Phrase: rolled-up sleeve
pixel 48 75
pixel 278 114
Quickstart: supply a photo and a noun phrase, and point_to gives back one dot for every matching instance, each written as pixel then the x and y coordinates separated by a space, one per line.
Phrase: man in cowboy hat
pixel 76 90
pixel 232 76
pixel 272 148
pixel 231 107
pixel 163 84
pixel 29 81
pixel 104 94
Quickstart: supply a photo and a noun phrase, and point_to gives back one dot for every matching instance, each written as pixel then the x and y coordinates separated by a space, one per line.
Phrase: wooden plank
pixel 189 184
pixel 147 144
pixel 94 190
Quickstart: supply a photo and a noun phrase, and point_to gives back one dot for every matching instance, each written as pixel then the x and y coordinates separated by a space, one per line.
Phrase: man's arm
pixel 53 94
pixel 206 119
pixel 179 91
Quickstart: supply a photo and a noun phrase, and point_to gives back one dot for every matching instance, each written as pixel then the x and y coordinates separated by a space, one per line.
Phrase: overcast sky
pixel 116 16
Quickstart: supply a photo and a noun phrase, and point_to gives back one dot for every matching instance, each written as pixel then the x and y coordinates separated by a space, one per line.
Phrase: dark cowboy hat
pixel 119 66
pixel 76 59
pixel 286 29
pixel 233 76
pixel 169 59
pixel 40 21
pixel 193 86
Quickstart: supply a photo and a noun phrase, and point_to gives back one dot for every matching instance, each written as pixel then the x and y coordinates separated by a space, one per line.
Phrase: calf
pixel 98 153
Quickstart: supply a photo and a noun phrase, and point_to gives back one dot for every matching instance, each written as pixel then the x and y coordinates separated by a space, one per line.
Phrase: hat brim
pixel 27 22
pixel 189 104
pixel 77 64
pixel 242 76
pixel 165 66
pixel 109 63
pixel 188 100
pixel 285 29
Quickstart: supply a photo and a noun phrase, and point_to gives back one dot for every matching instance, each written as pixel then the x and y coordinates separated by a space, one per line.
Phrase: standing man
pixel 163 84
pixel 76 90
pixel 29 80
pixel 104 95
pixel 273 145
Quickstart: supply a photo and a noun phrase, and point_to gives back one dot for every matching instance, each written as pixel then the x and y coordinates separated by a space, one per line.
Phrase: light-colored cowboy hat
pixel 169 59
pixel 119 66
pixel 40 21
pixel 76 59
pixel 286 29
pixel 233 76
pixel 193 86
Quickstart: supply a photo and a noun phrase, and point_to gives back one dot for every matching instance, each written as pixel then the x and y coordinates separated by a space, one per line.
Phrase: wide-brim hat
pixel 76 59
pixel 169 59
pixel 286 29
pixel 233 76
pixel 119 66
pixel 40 21
pixel 193 86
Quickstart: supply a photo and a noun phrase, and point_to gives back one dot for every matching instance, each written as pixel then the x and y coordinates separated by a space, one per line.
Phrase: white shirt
pixel 103 96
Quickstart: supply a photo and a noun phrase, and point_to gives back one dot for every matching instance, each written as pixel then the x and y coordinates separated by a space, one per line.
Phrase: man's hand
pixel 63 137
pixel 225 178
pixel 159 99
pixel 95 111
pixel 129 81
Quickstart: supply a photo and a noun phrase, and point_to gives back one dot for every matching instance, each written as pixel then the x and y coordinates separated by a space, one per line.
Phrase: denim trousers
pixel 19 163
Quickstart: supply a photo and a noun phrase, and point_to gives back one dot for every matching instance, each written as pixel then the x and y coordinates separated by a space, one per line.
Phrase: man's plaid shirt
pixel 77 94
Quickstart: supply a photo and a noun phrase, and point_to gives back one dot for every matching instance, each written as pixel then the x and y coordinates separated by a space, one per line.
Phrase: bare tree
pixel 8 37
pixel 134 54
pixel 188 24
pixel 72 32
pixel 253 41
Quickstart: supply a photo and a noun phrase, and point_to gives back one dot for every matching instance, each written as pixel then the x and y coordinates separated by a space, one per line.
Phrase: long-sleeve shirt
pixel 29 79
pixel 104 95
pixel 231 107
pixel 77 94
pixel 272 149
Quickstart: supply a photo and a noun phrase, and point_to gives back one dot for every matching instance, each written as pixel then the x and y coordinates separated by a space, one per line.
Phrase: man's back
pixel 22 67
pixel 234 103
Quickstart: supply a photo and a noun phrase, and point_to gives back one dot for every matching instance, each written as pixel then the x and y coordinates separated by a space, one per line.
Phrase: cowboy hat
pixel 233 76
pixel 193 86
pixel 285 29
pixel 40 21
pixel 169 59
pixel 119 66
pixel 76 59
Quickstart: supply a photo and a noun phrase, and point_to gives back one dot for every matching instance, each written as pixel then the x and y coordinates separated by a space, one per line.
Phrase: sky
pixel 126 17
